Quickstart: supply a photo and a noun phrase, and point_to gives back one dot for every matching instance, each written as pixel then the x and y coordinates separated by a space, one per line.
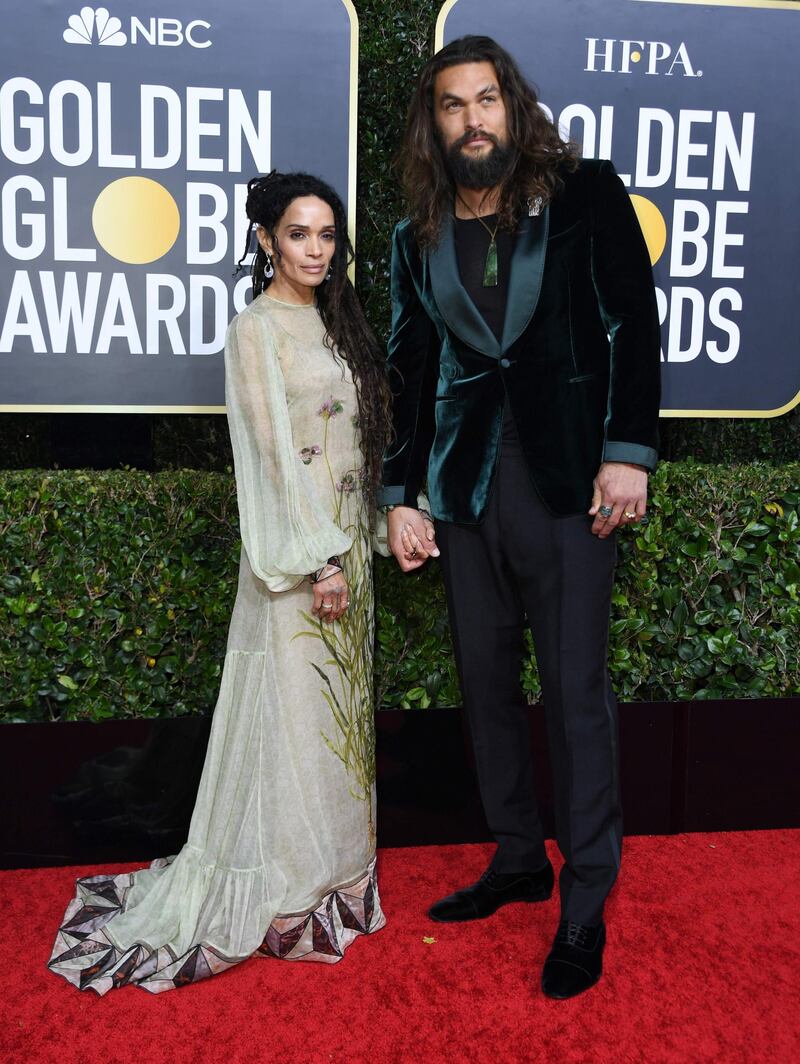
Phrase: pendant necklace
pixel 490 266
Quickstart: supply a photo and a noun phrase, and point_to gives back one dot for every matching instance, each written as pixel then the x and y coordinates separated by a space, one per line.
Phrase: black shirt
pixel 472 243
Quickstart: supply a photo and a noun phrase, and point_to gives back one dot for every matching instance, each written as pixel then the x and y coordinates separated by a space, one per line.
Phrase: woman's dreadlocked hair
pixel 347 333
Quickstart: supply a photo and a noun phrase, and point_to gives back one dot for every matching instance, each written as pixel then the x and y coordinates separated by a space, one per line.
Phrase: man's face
pixel 470 117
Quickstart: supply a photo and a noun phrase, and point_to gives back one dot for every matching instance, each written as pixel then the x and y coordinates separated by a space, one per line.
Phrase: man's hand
pixel 412 539
pixel 622 488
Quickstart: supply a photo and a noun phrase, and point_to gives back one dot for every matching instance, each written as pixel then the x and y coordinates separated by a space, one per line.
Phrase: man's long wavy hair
pixel 347 332
pixel 540 155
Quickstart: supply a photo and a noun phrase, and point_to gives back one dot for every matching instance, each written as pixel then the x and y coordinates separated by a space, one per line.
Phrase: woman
pixel 280 858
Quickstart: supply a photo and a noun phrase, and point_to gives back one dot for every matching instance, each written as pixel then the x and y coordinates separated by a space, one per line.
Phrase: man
pixel 525 361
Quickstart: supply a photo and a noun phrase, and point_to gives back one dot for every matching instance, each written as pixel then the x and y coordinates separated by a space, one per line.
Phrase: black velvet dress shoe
pixel 491 891
pixel 576 960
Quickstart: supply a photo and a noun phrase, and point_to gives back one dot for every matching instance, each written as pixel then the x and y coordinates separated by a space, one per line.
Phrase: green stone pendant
pixel 490 269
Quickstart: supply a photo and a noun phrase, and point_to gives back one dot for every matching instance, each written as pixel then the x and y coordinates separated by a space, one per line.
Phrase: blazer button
pixel 505 362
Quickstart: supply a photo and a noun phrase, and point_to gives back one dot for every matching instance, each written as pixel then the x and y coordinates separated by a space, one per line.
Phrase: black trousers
pixel 520 561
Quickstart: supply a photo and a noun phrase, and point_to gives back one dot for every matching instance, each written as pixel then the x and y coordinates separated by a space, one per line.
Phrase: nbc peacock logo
pixel 94 25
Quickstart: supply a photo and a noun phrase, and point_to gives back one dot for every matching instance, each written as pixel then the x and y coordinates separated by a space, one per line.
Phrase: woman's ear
pixel 264 239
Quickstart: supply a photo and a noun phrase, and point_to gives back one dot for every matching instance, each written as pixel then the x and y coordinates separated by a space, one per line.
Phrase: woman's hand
pixel 331 598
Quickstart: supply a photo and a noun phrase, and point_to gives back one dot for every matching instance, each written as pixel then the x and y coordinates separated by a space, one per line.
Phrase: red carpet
pixel 702 964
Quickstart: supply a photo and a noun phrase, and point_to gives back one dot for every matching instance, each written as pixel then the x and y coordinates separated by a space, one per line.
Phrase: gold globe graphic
pixel 136 220
pixel 653 226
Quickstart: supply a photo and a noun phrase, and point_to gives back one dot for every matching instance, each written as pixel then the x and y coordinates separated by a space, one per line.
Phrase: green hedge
pixel 117 589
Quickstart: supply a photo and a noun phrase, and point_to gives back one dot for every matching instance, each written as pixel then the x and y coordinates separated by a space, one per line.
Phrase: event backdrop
pixel 127 136
pixel 696 103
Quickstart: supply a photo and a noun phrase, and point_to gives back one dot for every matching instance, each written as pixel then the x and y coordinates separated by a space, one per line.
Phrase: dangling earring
pixel 268 269
pixel 329 274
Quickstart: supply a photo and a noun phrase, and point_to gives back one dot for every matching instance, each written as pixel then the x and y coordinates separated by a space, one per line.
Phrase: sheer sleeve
pixel 285 530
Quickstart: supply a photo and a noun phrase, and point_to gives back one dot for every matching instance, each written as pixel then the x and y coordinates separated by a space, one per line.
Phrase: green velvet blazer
pixel 579 357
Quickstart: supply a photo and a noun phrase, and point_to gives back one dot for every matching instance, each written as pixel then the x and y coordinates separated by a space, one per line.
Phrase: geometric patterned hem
pixel 85 956
pixel 324 933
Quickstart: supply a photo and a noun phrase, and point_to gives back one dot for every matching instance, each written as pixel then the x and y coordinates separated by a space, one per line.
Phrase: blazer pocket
pixel 582 377
pixel 565 232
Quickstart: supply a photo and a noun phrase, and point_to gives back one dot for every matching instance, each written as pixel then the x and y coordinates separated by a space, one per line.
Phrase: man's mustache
pixel 467 137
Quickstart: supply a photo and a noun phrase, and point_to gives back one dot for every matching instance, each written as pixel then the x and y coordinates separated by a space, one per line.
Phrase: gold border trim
pixel 735 413
pixel 352 172
pixel 782 5
pixel 785 5
pixel 438 37
pixel 353 121
pixel 8 408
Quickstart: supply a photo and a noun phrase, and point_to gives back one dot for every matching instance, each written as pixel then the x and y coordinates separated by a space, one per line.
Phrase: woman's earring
pixel 329 274
pixel 268 268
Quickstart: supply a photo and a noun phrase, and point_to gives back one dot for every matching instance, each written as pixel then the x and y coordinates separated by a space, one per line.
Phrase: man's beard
pixel 486 170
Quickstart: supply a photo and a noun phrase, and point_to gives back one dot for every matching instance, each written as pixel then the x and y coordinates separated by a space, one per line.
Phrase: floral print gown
pixel 280 858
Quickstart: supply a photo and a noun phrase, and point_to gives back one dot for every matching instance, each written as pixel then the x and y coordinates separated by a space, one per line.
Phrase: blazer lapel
pixel 455 306
pixel 525 281
pixel 524 285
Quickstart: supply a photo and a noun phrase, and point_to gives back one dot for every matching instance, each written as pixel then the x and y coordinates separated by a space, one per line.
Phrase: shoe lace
pixel 572 934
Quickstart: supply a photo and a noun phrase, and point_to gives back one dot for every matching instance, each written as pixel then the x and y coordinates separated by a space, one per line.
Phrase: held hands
pixel 622 489
pixel 412 539
pixel 331 597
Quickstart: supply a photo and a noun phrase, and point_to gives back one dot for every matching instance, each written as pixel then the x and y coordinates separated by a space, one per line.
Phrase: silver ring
pixel 327 606
pixel 630 515
pixel 414 553
pixel 606 511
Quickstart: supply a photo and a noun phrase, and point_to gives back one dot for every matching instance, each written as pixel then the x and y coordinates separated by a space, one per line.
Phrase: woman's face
pixel 306 239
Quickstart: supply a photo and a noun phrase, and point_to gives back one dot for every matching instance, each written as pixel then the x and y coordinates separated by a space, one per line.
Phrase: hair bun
pixel 272 178
pixel 260 186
